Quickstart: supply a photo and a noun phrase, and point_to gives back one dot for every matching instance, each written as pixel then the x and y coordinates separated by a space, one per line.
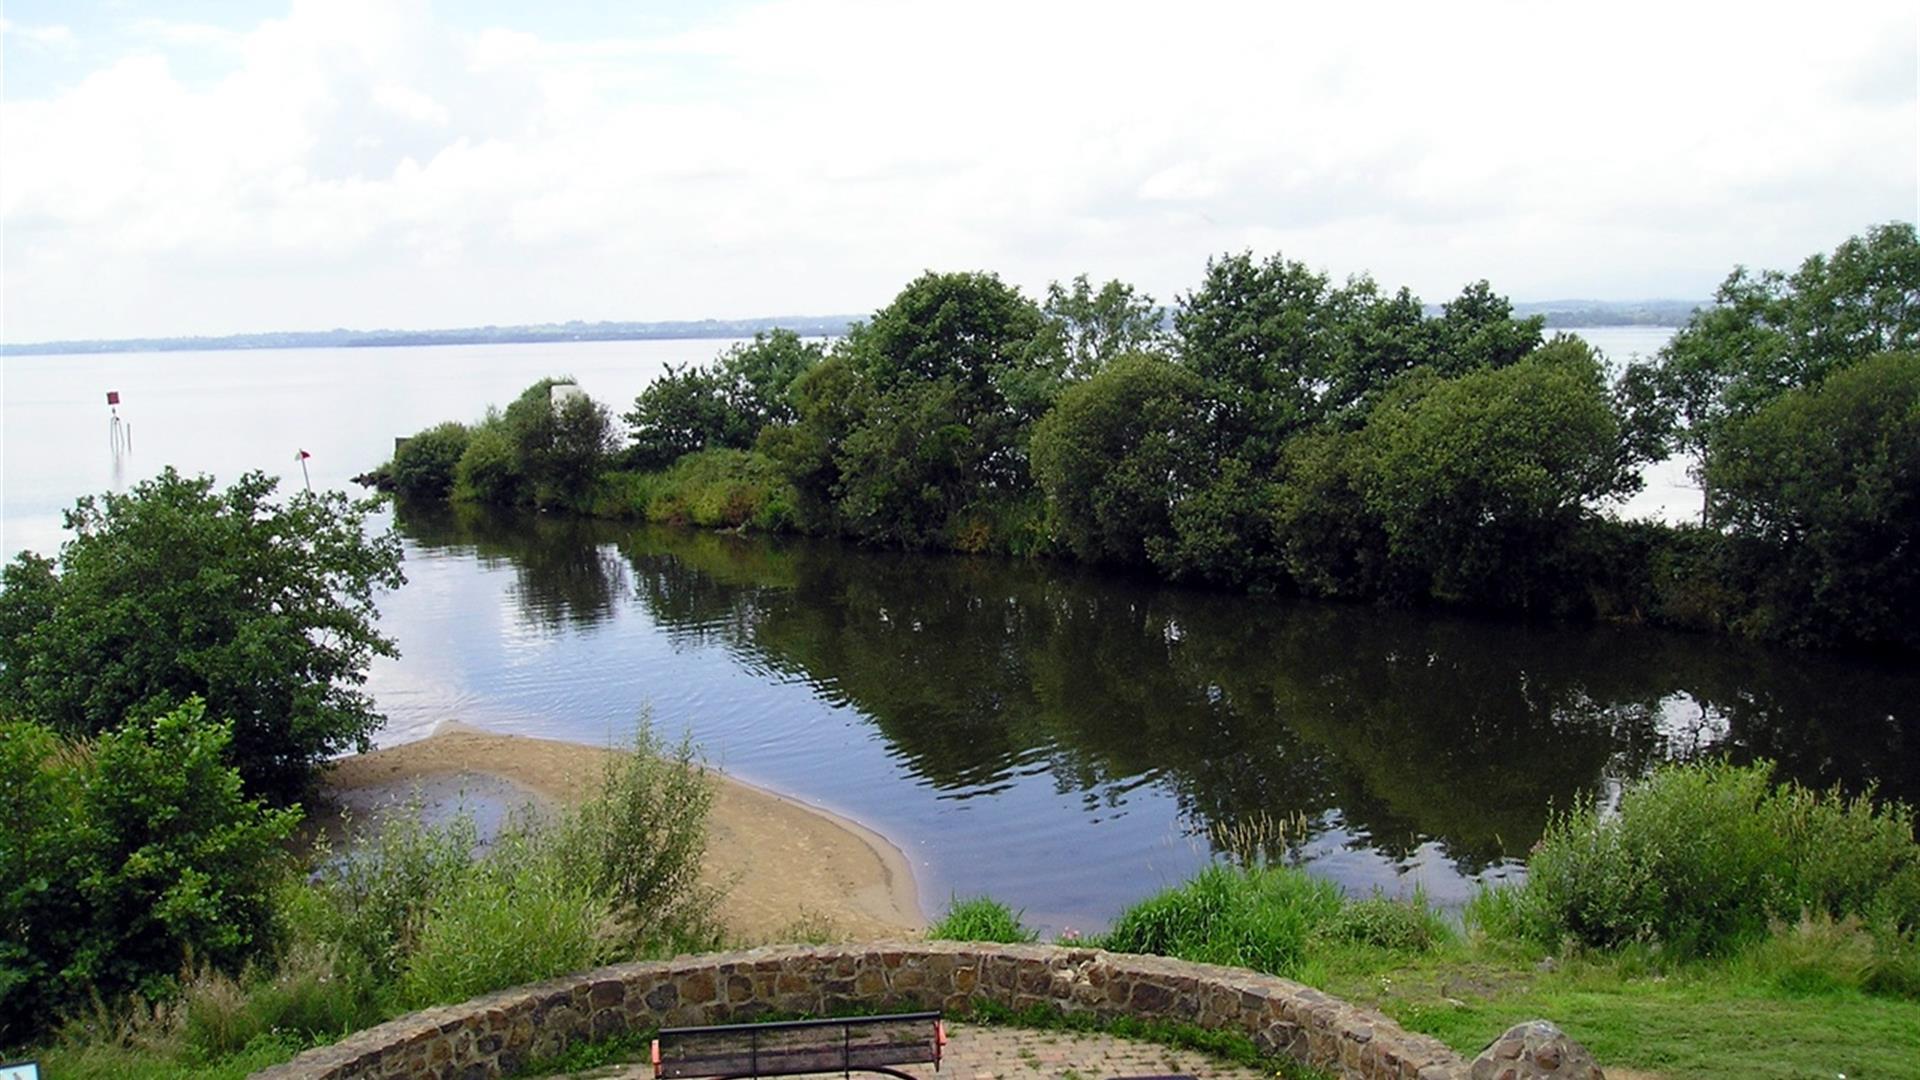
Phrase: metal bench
pixel 854 1044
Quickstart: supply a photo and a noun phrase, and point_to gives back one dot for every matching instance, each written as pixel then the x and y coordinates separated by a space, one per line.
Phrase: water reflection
pixel 1404 735
pixel 564 574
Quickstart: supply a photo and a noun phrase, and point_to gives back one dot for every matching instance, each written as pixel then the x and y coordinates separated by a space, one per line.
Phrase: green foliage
pixel 1223 532
pixel 1381 922
pixel 173 589
pixel 1115 453
pixel 639 844
pixel 487 472
pixel 558 448
pixel 715 489
pixel 1259 917
pixel 1477 481
pixel 1826 481
pixel 1771 332
pixel 1092 329
pixel 1282 349
pixel 518 915
pixel 1332 543
pixel 682 412
pixel 372 905
pixel 921 415
pixel 980 918
pixel 125 858
pixel 1699 859
pixel 423 468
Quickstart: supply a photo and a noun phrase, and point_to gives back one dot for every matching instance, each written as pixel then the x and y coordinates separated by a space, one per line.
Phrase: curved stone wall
pixel 496 1034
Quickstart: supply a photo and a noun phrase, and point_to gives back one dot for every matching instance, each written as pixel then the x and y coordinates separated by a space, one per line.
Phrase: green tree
pixel 680 413
pixel 1095 327
pixel 757 379
pixel 1772 332
pixel 125 857
pixel 937 393
pixel 1478 480
pixel 424 467
pixel 727 405
pixel 1117 453
pixel 559 448
pixel 1826 481
pixel 1283 349
pixel 173 589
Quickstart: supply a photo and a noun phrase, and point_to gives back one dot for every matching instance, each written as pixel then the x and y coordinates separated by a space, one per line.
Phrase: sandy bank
pixel 784 863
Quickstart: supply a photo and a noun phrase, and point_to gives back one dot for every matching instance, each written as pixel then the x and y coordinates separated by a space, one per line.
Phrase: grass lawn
pixel 1709 1023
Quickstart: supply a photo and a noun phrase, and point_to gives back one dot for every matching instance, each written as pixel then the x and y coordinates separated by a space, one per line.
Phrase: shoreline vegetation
pixel 177 682
pixel 1292 435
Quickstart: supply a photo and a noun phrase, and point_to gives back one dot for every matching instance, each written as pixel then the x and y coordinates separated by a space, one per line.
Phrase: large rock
pixel 1535 1050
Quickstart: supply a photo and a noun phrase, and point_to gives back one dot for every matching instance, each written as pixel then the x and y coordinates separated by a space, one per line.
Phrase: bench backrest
pixel 852 1044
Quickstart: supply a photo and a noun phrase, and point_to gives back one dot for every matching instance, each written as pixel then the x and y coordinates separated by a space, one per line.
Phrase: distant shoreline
pixel 704 329
pixel 1558 315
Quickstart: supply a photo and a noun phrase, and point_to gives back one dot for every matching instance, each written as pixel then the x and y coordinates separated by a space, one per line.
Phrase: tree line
pixel 1286 432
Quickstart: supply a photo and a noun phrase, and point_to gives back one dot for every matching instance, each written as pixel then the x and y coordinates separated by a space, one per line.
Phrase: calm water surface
pixel 1061 738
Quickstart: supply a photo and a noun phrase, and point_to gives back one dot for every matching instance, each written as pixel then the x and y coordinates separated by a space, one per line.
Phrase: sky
pixel 212 168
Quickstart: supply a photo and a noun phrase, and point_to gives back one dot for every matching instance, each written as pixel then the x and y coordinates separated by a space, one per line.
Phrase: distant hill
pixel 1563 313
pixel 804 325
pixel 1558 313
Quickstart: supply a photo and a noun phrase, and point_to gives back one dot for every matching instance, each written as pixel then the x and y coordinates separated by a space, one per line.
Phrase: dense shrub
pixel 123 859
pixel 713 489
pixel 1115 453
pixel 1826 482
pixel 264 609
pixel 1701 858
pixel 423 467
pixel 487 472
pixel 981 918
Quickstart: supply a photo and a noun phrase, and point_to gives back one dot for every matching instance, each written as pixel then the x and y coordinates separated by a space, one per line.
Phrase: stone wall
pixel 496 1034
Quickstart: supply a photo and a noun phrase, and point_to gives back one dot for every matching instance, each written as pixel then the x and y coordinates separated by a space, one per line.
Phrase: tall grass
pixel 1258 917
pixel 981 918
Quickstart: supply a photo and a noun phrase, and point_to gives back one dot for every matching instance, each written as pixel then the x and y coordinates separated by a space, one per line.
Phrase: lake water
pixel 1059 737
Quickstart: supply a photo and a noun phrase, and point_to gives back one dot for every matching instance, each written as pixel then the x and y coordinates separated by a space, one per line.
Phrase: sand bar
pixel 785 864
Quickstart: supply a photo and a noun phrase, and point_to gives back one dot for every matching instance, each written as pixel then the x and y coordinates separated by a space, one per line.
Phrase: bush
pixel 716 489
pixel 1258 917
pixel 125 859
pixel 488 472
pixel 1700 858
pixel 981 918
pixel 263 609
pixel 423 467
pixel 640 841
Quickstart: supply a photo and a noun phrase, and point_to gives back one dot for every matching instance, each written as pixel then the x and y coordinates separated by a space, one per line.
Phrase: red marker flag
pixel 301 456
pixel 113 397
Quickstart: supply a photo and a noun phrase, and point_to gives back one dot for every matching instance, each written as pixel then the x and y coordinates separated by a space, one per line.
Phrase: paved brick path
pixel 976 1052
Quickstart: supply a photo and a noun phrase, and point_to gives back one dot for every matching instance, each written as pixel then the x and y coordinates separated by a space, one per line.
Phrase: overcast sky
pixel 223 167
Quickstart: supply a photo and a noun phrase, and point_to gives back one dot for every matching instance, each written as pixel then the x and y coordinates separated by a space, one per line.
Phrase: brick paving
pixel 977 1052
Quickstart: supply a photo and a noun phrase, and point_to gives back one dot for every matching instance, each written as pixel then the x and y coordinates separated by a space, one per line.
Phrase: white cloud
pixel 51 35
pixel 367 164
